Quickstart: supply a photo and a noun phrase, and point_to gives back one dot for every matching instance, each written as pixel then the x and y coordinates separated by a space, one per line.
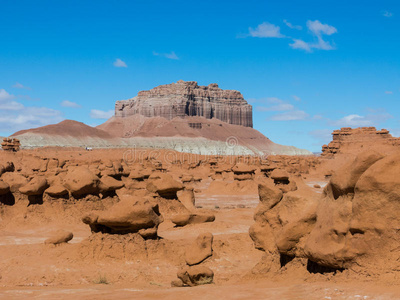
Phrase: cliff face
pixel 189 99
pixel 348 140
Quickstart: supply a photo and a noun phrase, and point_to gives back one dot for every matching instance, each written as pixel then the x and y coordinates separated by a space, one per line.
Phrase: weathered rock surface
pixel 349 140
pixel 200 249
pixel 35 187
pixel 196 275
pixel 164 185
pixel 60 237
pixel 186 219
pixel 81 181
pixel 130 215
pixel 189 99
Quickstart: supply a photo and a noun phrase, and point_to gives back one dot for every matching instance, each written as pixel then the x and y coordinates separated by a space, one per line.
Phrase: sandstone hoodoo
pixel 349 140
pixel 186 98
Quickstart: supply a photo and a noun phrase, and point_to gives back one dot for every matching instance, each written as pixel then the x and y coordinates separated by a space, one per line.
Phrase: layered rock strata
pixel 186 98
pixel 349 140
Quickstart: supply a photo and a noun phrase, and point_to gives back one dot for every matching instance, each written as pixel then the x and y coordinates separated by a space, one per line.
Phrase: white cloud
pixel 355 120
pixel 294 115
pixel 387 14
pixel 389 92
pixel 7 101
pixel 266 30
pixel 18 85
pixel 318 30
pixel 100 114
pixel 290 25
pixel 4 96
pixel 171 55
pixel 297 98
pixel 300 44
pixel 120 63
pixel 71 104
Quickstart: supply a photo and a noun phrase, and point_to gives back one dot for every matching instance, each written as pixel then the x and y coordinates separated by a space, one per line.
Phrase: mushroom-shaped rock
pixel 81 181
pixel 196 275
pixel 60 237
pixel 164 185
pixel 56 190
pixel 34 187
pixel 241 168
pixel 4 188
pixel 130 215
pixel 186 219
pixel 279 175
pixel 200 249
pixel 108 183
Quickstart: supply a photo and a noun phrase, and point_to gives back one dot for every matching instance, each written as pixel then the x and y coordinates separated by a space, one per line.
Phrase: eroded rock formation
pixel 182 99
pixel 359 139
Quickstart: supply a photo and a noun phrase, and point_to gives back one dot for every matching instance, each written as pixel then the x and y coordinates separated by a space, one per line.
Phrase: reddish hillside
pixel 67 128
pixel 140 126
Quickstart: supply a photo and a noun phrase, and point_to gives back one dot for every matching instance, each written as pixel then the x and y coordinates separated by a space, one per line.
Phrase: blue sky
pixel 307 67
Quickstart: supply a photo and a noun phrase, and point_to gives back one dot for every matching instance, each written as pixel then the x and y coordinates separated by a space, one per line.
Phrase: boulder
pixel 130 215
pixel 186 197
pixel 200 249
pixel 60 237
pixel 186 219
pixel 35 187
pixel 164 185
pixel 269 194
pixel 81 181
pixel 108 183
pixel 56 190
pixel 14 180
pixel 279 175
pixel 196 275
pixel 241 168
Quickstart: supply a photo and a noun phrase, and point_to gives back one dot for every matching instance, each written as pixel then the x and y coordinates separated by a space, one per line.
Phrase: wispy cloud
pixel 18 85
pixel 355 120
pixel 7 101
pixel 15 116
pixel 389 92
pixel 100 114
pixel 70 104
pixel 297 98
pixel 265 30
pixel 171 55
pixel 278 105
pixel 119 63
pixel 288 111
pixel 290 25
pixel 317 29
pixel 294 115
pixel 387 14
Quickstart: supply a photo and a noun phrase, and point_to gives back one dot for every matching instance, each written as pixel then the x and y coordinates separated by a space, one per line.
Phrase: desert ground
pixel 193 196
